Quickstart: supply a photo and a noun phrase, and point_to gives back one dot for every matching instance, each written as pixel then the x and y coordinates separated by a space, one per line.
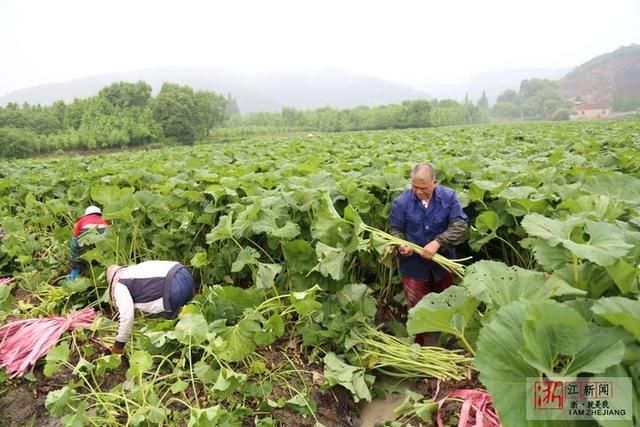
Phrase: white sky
pixel 419 43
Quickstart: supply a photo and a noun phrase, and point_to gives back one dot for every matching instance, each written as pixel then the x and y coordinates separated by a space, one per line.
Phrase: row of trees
pixel 122 114
pixel 409 114
pixel 537 99
pixel 125 114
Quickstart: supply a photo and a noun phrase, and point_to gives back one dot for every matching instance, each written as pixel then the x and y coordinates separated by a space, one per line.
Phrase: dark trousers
pixel 414 290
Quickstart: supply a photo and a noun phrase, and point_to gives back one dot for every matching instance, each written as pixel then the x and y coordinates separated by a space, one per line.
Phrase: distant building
pixel 581 111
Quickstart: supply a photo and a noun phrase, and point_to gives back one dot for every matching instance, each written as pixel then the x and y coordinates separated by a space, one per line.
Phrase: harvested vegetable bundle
pixel 452 265
pixel 397 358
pixel 478 400
pixel 23 342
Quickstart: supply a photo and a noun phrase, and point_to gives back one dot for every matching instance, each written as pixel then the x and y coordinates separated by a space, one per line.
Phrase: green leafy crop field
pixel 289 288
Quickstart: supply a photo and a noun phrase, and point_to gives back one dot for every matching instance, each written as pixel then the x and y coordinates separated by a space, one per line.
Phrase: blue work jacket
pixel 421 225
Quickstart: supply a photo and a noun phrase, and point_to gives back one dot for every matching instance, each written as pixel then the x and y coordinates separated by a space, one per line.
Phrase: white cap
pixel 92 210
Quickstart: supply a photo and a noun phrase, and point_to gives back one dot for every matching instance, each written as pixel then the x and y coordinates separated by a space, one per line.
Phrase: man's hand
pixel 117 348
pixel 430 249
pixel 405 250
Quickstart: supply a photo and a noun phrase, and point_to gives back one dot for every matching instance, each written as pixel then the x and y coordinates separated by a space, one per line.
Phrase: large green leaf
pixel 486 225
pixel 614 185
pixel 227 382
pixel 267 223
pixel 60 401
pixel 528 340
pixel 206 417
pixel 230 302
pixel 55 358
pixel 272 329
pixel 620 311
pixel 78 418
pixel 327 222
pixel 488 221
pixel 148 199
pixel 547 339
pixel 248 216
pixel 330 228
pixel 199 260
pixel 192 328
pixel 204 372
pixel 357 298
pixel 264 276
pixel 569 347
pixel 350 377
pixel 605 245
pixel 596 207
pixel 448 311
pixel 305 302
pixel 626 372
pixel 552 231
pixel 238 340
pixel 497 284
pixel 75 286
pixel 223 230
pixel 625 276
pixel 604 348
pixel 515 192
pixel 300 256
pixel 6 299
pixel 246 256
pixel 605 242
pixel 549 257
pixel 107 363
pixel 586 276
pixel 502 370
pixel 330 261
pixel 139 362
pixel 119 203
pixel 478 188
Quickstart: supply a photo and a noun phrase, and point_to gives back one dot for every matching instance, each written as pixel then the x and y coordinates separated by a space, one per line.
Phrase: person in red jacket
pixel 92 219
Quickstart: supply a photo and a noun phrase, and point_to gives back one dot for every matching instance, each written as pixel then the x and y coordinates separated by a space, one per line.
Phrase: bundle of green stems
pixel 392 356
pixel 454 266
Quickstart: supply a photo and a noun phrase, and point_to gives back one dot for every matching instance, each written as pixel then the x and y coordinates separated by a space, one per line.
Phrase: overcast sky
pixel 419 43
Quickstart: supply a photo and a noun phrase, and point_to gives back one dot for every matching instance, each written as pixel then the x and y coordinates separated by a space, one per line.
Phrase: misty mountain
pixel 254 92
pixel 493 82
pixel 600 79
pixel 596 81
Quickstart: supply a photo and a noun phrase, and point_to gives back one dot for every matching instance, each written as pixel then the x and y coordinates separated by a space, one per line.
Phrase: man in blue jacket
pixel 429 215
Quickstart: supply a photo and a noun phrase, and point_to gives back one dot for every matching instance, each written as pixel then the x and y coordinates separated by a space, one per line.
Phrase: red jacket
pixel 89 221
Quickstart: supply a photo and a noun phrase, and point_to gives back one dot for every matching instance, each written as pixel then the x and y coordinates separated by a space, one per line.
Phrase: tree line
pixel 408 114
pixel 121 115
pixel 537 99
pixel 126 115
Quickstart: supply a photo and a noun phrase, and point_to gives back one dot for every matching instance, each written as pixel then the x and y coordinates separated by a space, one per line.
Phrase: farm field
pixel 298 304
